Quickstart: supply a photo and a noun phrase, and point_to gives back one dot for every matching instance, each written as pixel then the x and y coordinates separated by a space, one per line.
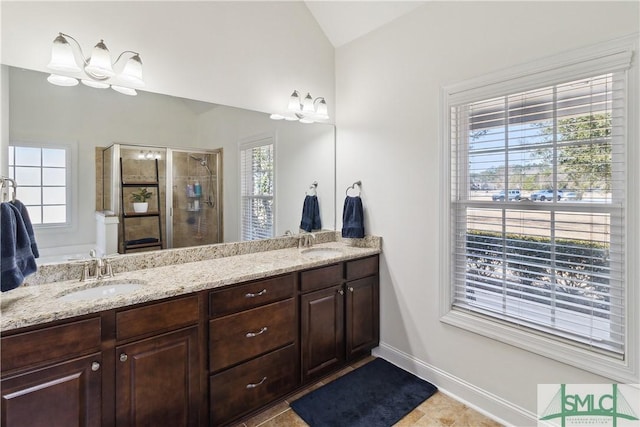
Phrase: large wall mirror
pixel 89 119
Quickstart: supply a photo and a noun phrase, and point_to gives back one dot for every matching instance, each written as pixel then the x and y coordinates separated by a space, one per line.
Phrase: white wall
pixel 387 120
pixel 304 153
pixel 244 54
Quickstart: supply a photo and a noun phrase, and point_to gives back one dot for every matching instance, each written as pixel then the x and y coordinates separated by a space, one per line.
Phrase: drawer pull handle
pixel 250 386
pixel 255 334
pixel 259 294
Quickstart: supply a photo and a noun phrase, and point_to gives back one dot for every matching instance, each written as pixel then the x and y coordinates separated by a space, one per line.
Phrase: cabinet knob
pixel 350 289
pixel 95 366
pixel 340 291
pixel 254 385
pixel 255 334
pixel 123 357
pixel 259 294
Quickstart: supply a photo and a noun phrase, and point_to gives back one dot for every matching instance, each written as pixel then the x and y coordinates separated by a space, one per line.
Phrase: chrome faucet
pixel 101 268
pixel 306 240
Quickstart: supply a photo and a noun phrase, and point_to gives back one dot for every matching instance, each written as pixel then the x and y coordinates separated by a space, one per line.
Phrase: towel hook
pixel 312 189
pixel 13 183
pixel 353 187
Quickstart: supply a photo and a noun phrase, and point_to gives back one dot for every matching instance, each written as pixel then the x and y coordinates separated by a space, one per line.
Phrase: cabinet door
pixel 322 331
pixel 362 316
pixel 63 395
pixel 157 381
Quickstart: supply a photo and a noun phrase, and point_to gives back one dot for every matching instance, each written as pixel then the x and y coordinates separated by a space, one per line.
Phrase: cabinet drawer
pixel 239 337
pixel 50 344
pixel 250 295
pixel 246 387
pixel 157 318
pixel 319 278
pixel 362 267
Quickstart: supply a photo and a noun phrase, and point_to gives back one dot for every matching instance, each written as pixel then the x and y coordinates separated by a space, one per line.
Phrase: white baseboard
pixel 488 404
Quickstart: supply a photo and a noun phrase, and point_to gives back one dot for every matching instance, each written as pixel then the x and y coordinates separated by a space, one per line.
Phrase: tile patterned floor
pixel 439 410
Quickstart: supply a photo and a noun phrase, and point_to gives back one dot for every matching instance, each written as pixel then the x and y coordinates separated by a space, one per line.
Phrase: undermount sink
pixel 104 289
pixel 321 252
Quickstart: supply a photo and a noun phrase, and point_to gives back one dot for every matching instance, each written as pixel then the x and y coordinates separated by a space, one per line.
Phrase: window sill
pixel 565 352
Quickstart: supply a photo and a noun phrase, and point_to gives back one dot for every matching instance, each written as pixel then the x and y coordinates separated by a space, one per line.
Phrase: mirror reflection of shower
pixel 210 198
pixel 195 210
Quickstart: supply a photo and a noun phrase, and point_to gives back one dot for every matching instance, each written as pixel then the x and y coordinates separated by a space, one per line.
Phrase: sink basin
pixel 102 290
pixel 321 252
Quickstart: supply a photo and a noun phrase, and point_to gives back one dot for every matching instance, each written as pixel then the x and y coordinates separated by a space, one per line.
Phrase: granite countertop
pixel 32 305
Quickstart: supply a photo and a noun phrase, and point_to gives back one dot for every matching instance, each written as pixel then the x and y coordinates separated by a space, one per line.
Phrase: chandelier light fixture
pixel 97 71
pixel 306 110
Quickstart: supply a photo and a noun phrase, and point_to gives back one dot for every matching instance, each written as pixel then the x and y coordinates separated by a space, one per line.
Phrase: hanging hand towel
pixel 16 258
pixel 352 218
pixel 27 223
pixel 310 214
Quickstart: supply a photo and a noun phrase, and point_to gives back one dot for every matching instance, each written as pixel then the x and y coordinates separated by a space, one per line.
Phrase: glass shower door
pixel 196 213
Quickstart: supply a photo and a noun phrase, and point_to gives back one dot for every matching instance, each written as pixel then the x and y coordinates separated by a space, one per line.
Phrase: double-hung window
pixel 539 208
pixel 257 189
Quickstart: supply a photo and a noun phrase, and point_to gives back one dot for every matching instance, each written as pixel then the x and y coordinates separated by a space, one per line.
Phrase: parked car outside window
pixel 513 195
pixel 543 195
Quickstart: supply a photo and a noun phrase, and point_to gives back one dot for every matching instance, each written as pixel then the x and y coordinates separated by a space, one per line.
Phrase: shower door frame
pixel 169 190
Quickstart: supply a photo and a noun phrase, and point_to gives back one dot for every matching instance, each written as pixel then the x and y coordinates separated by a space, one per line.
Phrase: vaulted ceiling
pixel 345 21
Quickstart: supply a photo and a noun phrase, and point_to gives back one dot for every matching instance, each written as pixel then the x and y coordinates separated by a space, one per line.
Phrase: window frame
pixel 247 144
pixel 572 65
pixel 71 196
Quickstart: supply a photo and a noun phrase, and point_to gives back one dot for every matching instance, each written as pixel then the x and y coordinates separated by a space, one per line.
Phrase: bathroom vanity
pixel 195 348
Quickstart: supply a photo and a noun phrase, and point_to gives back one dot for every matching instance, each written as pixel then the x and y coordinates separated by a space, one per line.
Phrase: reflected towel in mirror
pixel 310 214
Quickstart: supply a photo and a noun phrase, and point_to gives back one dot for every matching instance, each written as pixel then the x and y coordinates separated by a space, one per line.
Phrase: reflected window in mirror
pixel 257 176
pixel 41 172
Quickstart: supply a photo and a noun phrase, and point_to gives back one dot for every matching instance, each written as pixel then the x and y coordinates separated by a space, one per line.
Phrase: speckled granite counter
pixel 36 304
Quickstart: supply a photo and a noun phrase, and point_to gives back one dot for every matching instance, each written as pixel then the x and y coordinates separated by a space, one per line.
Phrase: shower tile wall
pixel 195 219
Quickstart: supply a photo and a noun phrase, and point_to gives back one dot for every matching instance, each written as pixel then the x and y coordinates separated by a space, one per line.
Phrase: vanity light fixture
pixel 307 110
pixel 97 70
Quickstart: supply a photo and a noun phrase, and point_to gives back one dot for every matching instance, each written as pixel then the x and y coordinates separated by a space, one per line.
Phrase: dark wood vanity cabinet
pixel 52 376
pixel 339 315
pixel 130 367
pixel 157 375
pixel 237 348
pixel 253 346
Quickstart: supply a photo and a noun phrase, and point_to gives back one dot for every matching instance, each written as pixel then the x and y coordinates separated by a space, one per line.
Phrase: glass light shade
pixel 132 72
pixel 290 117
pixel 294 101
pixel 62 80
pixel 307 104
pixel 100 62
pixel 95 84
pixel 321 110
pixel 124 90
pixel 62 58
pixel 306 120
pixel 275 116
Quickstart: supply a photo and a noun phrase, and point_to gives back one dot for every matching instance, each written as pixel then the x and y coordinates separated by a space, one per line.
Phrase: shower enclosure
pixel 189 188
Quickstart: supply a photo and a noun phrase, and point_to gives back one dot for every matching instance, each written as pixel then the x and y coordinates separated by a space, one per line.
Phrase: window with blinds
pixel 257 189
pixel 538 199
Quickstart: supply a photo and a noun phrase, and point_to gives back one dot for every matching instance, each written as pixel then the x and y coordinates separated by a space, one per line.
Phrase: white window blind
pixel 549 259
pixel 257 189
